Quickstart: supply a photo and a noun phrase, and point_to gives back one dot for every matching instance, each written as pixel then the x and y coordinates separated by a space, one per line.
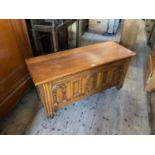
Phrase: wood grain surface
pixel 57 65
pixel 14 77
pixel 66 77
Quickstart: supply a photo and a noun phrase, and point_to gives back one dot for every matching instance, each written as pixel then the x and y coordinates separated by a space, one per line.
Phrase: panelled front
pixel 14 48
pixel 75 87
pixel 12 57
pixel 68 90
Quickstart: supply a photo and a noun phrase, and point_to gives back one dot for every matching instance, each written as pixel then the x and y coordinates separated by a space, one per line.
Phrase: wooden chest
pixel 65 77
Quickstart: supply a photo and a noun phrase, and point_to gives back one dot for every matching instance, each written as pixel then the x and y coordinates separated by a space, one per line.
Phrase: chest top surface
pixel 57 65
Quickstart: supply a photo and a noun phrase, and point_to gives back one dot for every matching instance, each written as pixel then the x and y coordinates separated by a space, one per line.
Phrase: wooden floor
pixel 113 111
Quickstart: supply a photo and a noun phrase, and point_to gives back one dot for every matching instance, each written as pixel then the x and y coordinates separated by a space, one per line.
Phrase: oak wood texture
pixel 65 77
pixel 14 77
pixel 57 65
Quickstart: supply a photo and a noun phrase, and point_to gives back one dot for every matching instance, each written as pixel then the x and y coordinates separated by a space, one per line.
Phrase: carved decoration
pixel 63 88
pixel 79 89
pixel 116 74
pixel 81 85
pixel 104 77
pixel 89 77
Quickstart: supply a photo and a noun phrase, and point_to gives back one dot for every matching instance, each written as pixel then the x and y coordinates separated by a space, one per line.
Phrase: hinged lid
pixel 57 65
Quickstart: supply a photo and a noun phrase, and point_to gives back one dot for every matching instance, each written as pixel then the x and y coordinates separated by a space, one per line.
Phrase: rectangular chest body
pixel 68 76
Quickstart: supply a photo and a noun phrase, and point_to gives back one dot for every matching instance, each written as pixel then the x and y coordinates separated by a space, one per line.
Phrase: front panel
pixel 81 85
pixel 69 89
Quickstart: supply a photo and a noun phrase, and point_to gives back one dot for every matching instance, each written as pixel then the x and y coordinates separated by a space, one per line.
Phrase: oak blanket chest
pixel 68 76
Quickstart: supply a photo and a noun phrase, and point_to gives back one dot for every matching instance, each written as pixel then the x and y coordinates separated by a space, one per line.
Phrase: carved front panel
pixel 59 93
pixel 104 78
pixel 112 74
pixel 117 74
pixel 76 87
pixel 68 90
pixel 91 83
